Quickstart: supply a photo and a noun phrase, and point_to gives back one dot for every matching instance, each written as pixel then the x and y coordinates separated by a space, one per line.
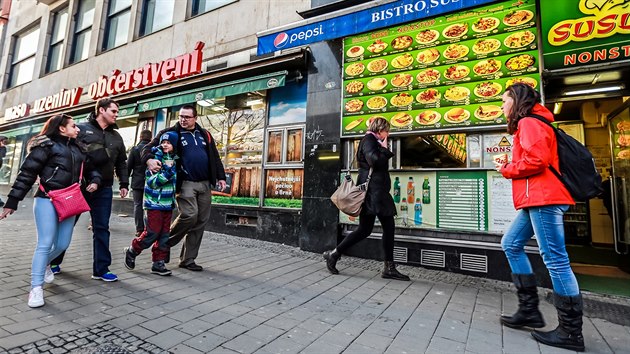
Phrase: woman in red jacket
pixel 541 200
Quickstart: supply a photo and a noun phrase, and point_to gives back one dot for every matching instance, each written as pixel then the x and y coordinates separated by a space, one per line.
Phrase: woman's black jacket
pixel 378 200
pixel 57 163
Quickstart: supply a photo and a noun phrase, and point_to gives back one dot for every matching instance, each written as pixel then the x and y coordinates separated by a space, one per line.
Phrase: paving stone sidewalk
pixel 260 297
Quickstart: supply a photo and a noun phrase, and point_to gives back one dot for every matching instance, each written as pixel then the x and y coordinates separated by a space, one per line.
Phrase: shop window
pixel 201 6
pixel 23 62
pixel 54 61
pixel 117 24
pixel 11 161
pixel 238 131
pixel 82 31
pixel 285 145
pixel 156 15
pixel 433 151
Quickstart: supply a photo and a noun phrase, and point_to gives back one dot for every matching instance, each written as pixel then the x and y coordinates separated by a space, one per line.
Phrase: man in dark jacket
pixel 198 170
pixel 136 170
pixel 106 150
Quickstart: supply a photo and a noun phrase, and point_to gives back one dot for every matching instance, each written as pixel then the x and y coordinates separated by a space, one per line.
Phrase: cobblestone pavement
pixel 260 297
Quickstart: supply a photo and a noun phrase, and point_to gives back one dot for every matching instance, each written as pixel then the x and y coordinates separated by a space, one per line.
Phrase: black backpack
pixel 577 166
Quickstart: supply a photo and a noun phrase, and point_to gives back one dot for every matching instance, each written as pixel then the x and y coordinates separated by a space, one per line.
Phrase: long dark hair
pixel 525 98
pixel 51 127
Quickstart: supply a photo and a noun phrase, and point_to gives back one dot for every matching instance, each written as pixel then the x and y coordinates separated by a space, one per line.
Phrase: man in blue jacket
pixel 199 169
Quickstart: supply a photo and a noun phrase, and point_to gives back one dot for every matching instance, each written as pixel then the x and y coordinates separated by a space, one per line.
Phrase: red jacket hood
pixel 542 111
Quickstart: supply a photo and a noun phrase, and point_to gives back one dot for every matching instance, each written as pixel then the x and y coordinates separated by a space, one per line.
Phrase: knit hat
pixel 172 138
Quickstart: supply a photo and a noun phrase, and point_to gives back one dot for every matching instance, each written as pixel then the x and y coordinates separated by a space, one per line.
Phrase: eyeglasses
pixel 185 117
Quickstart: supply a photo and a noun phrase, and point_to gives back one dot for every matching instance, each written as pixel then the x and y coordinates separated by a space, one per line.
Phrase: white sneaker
pixel 36 297
pixel 49 276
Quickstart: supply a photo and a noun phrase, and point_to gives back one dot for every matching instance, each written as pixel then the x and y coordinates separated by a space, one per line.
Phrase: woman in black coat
pixel 55 158
pixel 373 153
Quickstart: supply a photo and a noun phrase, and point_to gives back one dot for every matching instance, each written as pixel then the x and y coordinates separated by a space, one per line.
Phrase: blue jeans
pixel 101 204
pixel 53 237
pixel 547 224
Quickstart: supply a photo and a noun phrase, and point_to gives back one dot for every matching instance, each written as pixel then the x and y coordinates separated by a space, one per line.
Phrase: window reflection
pixel 433 151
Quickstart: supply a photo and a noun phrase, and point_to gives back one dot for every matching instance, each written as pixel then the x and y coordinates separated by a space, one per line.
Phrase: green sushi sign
pixel 584 32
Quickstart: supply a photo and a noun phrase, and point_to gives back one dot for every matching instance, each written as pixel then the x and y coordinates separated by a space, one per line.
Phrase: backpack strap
pixel 555 130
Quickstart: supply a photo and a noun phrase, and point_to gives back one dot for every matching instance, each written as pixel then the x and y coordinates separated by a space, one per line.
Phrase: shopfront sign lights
pixel 117 83
pixel 148 75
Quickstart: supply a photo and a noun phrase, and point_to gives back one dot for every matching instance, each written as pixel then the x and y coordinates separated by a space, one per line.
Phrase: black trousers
pixel 366 224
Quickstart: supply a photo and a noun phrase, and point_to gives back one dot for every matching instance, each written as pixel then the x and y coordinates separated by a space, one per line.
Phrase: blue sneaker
pixel 55 268
pixel 109 276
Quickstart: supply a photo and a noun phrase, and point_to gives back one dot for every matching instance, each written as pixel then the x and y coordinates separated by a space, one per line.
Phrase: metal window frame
pixel 13 64
pixel 109 17
pixel 194 7
pixel 78 32
pixel 283 161
pixel 60 42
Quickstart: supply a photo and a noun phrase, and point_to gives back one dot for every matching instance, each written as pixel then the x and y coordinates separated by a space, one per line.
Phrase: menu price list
pixel 462 200
pixel 416 71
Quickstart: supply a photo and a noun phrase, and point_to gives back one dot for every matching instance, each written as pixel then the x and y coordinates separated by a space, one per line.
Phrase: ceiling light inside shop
pixel 205 103
pixel 557 107
pixel 594 90
pixel 254 102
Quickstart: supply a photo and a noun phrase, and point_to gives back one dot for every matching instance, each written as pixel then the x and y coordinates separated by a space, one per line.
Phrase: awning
pixel 16 132
pixel 127 110
pixel 262 82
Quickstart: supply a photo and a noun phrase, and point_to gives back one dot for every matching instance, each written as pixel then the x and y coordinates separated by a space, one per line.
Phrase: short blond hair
pixel 379 124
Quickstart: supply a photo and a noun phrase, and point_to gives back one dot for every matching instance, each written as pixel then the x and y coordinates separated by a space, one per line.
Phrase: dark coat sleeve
pixel 217 162
pixel 378 200
pixel 134 157
pixel 31 168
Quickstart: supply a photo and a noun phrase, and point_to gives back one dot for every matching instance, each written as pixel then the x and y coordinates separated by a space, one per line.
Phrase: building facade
pixel 287 88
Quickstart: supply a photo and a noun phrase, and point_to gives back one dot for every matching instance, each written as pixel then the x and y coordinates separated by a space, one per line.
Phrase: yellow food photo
pixel 355 123
pixel 377 65
pixel 377 84
pixel 526 80
pixel 428 56
pixel 455 31
pixel 518 17
pixel 487 67
pixel 428 76
pixel 402 61
pixel 428 96
pixel 354 87
pixel 485 24
pixel 428 117
pixel 354 105
pixel 355 69
pixel 402 80
pixel 519 39
pixel 455 51
pixel 488 112
pixel 487 89
pixel 427 36
pixel 401 120
pixel 402 42
pixel 376 102
pixel 457 93
pixel 520 62
pixel 377 47
pixel 456 72
pixel 456 115
pixel 486 45
pixel 402 99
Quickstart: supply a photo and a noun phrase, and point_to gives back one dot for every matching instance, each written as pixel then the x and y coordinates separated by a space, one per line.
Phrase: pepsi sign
pixel 382 16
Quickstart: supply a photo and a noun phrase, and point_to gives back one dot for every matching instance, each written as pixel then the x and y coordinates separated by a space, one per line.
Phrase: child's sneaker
pixel 56 269
pixel 36 297
pixel 160 269
pixel 130 258
pixel 49 276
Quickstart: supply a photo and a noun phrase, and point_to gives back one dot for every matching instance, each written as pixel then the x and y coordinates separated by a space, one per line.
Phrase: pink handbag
pixel 69 201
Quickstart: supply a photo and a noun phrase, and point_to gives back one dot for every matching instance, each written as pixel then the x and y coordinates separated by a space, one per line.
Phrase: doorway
pixel 599 261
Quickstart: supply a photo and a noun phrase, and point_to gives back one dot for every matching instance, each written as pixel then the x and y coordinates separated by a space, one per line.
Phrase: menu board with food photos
pixel 448 71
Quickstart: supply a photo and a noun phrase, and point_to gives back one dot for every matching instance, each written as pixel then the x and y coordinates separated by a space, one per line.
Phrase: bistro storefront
pixel 436 71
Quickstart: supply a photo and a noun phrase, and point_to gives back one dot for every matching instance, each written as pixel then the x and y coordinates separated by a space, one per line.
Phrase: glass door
pixel 619 131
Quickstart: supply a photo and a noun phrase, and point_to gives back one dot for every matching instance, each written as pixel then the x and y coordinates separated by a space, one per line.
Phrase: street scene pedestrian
pixel 373 155
pixel 137 171
pixel 541 200
pixel 106 149
pixel 57 161
pixel 199 169
pixel 159 201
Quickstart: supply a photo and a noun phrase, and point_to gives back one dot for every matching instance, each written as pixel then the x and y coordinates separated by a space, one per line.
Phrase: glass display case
pixel 619 131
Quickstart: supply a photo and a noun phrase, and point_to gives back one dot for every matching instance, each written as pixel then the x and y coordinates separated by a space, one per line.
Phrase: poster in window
pixel 283 188
pixel 287 104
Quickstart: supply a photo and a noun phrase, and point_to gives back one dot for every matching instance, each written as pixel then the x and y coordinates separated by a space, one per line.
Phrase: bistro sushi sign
pixel 588 32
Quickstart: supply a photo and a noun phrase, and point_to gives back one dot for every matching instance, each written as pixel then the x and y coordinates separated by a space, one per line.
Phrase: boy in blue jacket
pixel 159 201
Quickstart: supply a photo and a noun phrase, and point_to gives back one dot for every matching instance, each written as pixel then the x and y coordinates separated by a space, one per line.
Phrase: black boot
pixel 568 334
pixel 390 272
pixel 331 258
pixel 528 314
